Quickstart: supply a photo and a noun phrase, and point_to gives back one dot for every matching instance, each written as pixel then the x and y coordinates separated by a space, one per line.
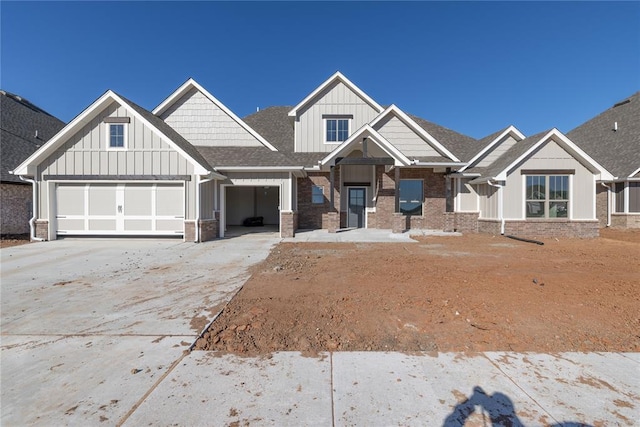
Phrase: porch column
pixel 331 187
pixel 397 192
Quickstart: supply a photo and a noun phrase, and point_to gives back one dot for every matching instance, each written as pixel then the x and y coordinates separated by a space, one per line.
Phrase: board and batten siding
pixel 203 123
pixel 552 156
pixel 488 201
pixel 336 99
pixel 207 199
pixel 467 196
pixel 404 138
pixel 498 150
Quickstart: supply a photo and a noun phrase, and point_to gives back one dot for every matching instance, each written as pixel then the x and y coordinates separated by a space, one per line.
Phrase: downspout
pixel 500 205
pixel 608 203
pixel 32 227
pixel 197 226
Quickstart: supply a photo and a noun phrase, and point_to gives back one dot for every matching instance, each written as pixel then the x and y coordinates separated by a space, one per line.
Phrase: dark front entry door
pixel 355 215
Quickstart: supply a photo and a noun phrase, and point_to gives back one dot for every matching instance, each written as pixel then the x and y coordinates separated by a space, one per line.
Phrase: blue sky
pixel 474 67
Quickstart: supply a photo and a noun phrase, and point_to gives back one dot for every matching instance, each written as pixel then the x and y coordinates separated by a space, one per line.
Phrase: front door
pixel 355 214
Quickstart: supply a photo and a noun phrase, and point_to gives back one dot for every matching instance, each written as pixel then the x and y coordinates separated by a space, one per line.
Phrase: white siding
pixel 336 99
pixel 404 138
pixel 498 150
pixel 552 156
pixel 201 122
pixel 467 196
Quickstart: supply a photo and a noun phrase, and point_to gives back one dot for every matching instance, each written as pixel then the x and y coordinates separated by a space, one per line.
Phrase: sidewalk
pixel 363 235
pixel 376 389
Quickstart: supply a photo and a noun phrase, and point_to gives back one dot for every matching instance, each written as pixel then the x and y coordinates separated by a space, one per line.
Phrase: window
pixel 337 130
pixel 634 197
pixel 619 191
pixel 411 196
pixel 547 196
pixel 116 135
pixel 317 194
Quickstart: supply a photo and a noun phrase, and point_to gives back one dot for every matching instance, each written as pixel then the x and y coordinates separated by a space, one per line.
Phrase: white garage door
pixel 120 209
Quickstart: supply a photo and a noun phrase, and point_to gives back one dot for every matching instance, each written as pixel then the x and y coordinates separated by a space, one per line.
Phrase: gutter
pixel 32 228
pixel 500 205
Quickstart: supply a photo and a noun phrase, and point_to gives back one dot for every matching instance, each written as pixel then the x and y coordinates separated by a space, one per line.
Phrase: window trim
pixel 125 134
pixel 422 201
pixel 326 118
pixel 321 187
pixel 547 200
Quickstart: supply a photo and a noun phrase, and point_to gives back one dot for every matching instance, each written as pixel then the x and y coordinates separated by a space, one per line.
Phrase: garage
pixel 139 209
pixel 246 202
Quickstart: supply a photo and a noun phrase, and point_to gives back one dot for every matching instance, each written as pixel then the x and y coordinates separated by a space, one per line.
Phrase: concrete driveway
pixel 90 326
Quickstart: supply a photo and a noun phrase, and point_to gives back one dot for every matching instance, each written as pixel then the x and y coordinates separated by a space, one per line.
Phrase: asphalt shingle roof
pixel 618 151
pixel 19 121
pixel 462 146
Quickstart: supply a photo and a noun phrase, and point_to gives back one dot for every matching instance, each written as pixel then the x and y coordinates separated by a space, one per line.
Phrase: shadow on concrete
pixel 494 410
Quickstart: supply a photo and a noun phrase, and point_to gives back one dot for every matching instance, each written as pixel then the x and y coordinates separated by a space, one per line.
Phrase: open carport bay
pixel 244 202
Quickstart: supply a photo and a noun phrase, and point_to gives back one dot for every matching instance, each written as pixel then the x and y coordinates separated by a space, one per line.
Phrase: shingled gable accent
pixel 511 130
pixel 370 133
pixel 435 144
pixel 338 76
pixel 509 160
pixel 192 84
pixel 201 167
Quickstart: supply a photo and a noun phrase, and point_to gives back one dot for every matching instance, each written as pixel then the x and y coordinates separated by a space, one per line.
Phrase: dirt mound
pixel 470 293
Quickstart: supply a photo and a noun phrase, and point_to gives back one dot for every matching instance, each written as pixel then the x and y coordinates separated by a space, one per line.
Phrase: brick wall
pixel 209 229
pixel 625 220
pixel 310 215
pixel 287 224
pixel 542 228
pixel 15 208
pixel 189 231
pixel 601 205
pixel 42 229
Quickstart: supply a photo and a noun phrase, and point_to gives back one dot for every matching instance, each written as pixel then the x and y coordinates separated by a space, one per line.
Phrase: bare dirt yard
pixel 469 293
pixel 13 240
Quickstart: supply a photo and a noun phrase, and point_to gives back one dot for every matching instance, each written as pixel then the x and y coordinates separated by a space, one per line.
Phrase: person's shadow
pixel 498 407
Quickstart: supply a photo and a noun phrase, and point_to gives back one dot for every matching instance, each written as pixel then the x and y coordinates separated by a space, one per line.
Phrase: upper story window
pixel 116 132
pixel 547 196
pixel 336 128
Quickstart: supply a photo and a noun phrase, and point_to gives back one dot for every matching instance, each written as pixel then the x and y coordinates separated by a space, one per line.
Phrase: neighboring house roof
pixel 191 84
pixel 617 150
pixel 337 77
pixel 462 146
pixel 523 149
pixel 155 124
pixel 19 121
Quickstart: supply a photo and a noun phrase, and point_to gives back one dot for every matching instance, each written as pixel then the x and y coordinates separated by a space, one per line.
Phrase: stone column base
pixel 398 223
pixel 288 220
pixel 42 229
pixel 333 221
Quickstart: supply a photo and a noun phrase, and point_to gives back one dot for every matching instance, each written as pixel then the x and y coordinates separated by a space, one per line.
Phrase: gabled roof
pixel 164 131
pixel 25 128
pixel 489 142
pixel 370 134
pixel 462 146
pixel 617 150
pixel 520 151
pixel 275 126
pixel 337 77
pixel 411 123
pixel 192 84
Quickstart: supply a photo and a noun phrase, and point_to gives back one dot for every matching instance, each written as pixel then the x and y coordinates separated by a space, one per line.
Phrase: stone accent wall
pixel 15 208
pixel 287 224
pixel 601 205
pixel 209 229
pixel 311 215
pixel 42 229
pixel 189 231
pixel 625 220
pixel 542 228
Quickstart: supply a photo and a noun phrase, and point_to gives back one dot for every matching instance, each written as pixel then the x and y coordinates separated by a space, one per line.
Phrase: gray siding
pixel 467 196
pixel 201 122
pixel 207 200
pixel 335 99
pixel 552 156
pixel 404 138
pixel 498 150
pixel 86 153
pixel 488 201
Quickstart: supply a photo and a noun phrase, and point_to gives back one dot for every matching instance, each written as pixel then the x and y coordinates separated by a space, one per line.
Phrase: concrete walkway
pixel 94 332
pixel 363 235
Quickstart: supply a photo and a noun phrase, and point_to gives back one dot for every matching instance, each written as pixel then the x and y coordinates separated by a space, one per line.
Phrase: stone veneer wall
pixel 209 229
pixel 625 220
pixel 42 229
pixel 542 228
pixel 15 208
pixel 189 231
pixel 288 224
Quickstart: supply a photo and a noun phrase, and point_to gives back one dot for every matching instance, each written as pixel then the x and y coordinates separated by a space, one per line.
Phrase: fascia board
pixel 510 130
pixel 178 93
pixel 73 126
pixel 336 76
pixel 634 173
pixel 416 128
pixel 378 139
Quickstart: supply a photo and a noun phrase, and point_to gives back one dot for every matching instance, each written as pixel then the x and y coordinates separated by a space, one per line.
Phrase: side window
pixel 317 194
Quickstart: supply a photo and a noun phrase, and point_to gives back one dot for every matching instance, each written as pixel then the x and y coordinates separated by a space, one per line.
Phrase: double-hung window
pixel 411 196
pixel 547 196
pixel 116 132
pixel 336 129
pixel 317 194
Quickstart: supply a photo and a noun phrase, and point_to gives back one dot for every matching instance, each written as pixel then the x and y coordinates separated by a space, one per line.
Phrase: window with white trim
pixel 547 196
pixel 336 130
pixel 411 196
pixel 116 135
pixel 317 194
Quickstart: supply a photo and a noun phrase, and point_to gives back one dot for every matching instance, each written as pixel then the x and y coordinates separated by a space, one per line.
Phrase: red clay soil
pixel 469 293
